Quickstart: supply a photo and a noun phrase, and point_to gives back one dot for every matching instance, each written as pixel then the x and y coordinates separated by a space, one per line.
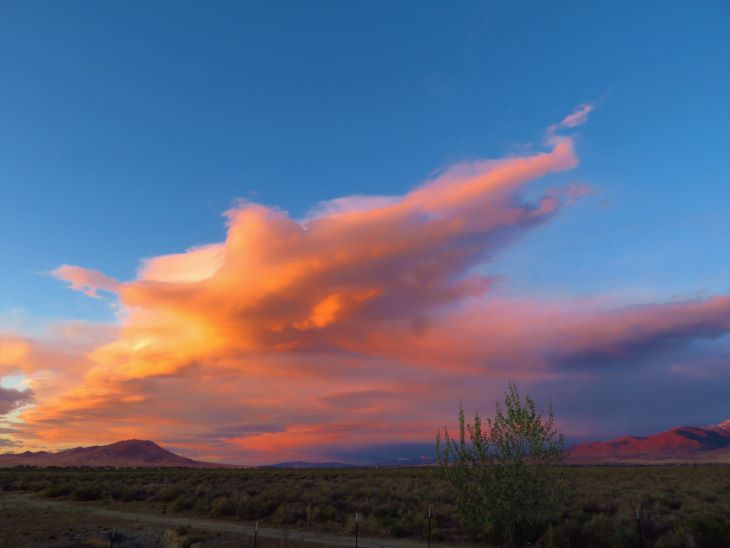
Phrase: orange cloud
pixel 196 264
pixel 280 284
pixel 364 322
pixel 388 383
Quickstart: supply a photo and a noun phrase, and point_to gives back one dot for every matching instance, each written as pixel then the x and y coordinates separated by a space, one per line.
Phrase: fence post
pixel 638 526
pixel 255 534
pixel 112 536
pixel 355 529
pixel 429 527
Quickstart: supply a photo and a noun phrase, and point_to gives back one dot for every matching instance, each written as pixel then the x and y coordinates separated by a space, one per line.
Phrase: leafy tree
pixel 505 474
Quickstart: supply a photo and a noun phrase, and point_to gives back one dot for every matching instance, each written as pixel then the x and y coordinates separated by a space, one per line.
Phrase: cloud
pixel 350 204
pixel 9 443
pixel 54 360
pixel 577 117
pixel 195 265
pixel 362 324
pixel 85 280
pixel 636 331
pixel 13 398
pixel 388 384
pixel 277 284
pixel 547 337
pixel 356 399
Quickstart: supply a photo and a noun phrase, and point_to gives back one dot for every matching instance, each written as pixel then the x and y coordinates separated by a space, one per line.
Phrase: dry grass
pixel 678 506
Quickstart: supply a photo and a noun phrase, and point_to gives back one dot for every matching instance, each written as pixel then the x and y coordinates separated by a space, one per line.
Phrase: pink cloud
pixel 366 322
pixel 386 383
pixel 577 117
pixel 85 280
pixel 195 265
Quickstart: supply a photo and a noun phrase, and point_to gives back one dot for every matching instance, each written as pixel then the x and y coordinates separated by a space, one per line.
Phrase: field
pixel 678 506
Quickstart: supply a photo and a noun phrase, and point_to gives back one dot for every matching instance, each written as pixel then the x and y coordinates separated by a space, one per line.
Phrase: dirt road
pixel 294 537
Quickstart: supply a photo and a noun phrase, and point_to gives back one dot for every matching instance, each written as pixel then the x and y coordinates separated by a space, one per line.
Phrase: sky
pixel 268 231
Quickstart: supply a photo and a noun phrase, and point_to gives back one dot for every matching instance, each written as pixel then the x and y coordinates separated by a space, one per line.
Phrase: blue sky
pixel 119 119
pixel 128 129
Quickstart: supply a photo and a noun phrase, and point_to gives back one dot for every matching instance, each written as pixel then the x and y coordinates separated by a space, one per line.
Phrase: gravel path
pixel 294 535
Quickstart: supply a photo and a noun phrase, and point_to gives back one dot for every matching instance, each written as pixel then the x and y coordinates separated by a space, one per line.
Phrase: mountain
pixel 305 464
pixel 129 453
pixel 404 461
pixel 682 444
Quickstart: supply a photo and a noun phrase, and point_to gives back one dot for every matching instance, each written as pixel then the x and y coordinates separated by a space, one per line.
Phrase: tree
pixel 506 475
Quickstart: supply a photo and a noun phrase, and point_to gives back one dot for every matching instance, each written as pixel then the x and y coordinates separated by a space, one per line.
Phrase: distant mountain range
pixel 129 453
pixel 306 464
pixel 402 461
pixel 682 444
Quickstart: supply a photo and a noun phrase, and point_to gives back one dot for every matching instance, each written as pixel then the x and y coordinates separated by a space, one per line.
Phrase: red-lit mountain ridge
pixel 700 444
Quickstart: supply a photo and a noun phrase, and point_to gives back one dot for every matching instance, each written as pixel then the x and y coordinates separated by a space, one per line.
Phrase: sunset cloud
pixel 277 284
pixel 85 280
pixel 363 323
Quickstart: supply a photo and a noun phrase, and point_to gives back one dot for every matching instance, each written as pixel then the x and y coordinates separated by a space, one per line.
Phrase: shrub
pixel 222 506
pixel 87 493
pixel 709 532
pixel 505 477
pixel 56 491
pixel 182 502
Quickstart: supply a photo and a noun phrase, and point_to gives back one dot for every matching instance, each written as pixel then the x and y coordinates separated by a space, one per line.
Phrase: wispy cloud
pixel 577 117
pixel 86 280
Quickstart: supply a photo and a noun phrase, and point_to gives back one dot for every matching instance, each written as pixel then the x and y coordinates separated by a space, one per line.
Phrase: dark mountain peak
pixel 120 454
pixel 135 442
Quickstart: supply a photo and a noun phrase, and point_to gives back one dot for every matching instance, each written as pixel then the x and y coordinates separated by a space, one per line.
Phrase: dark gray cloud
pixel 9 443
pixel 635 333
pixel 12 398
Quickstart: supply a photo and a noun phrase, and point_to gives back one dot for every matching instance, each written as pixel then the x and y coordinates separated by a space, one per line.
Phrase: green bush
pixel 505 476
pixel 87 493
pixel 710 532
pixel 222 506
pixel 181 503
pixel 56 491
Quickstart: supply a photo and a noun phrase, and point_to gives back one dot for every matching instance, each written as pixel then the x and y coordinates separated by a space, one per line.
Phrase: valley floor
pixel 28 520
pixel 678 506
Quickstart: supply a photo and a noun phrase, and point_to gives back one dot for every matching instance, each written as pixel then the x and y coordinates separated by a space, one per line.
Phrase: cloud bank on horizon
pixel 364 323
